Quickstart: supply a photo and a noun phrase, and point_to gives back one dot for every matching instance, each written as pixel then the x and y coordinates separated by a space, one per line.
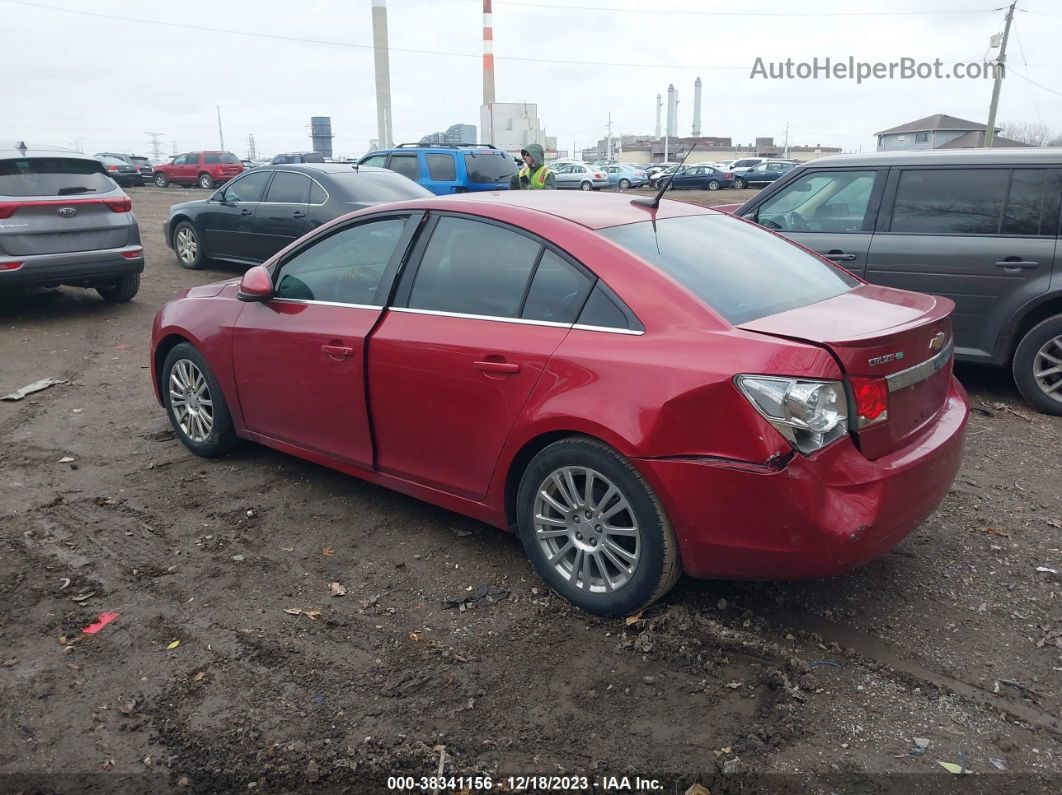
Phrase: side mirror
pixel 256 286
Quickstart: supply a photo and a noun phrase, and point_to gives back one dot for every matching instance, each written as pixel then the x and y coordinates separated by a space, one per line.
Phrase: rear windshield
pixel 52 176
pixel 313 157
pixel 378 186
pixel 489 167
pixel 740 270
pixel 229 157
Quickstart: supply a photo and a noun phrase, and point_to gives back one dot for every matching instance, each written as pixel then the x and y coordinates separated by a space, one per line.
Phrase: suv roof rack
pixel 449 146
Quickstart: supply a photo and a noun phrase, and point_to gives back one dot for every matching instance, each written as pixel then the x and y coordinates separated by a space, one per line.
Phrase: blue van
pixel 448 168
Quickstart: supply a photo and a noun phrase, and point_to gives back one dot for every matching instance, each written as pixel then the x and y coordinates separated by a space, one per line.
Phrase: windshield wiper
pixel 74 189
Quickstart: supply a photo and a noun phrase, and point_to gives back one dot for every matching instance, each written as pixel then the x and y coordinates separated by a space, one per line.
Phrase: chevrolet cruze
pixel 638 392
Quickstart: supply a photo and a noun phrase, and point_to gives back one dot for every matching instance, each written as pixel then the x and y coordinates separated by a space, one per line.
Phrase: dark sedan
pixel 260 212
pixel 121 171
pixel 702 177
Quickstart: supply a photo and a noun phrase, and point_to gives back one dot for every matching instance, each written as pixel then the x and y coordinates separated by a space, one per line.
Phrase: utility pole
pixel 787 140
pixel 609 145
pixel 156 148
pixel 990 133
pixel 221 135
pixel 251 153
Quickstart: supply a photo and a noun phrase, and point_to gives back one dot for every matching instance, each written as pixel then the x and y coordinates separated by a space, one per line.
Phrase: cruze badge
pixel 937 342
pixel 888 357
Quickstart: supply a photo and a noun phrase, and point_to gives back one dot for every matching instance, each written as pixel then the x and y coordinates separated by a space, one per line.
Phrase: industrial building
pixel 321 135
pixel 455 134
pixel 644 149
pixel 513 125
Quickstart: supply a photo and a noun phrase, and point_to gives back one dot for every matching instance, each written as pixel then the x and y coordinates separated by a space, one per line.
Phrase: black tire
pixel 161 180
pixel 586 185
pixel 193 262
pixel 205 181
pixel 1043 339
pixel 222 436
pixel 713 184
pixel 740 184
pixel 121 289
pixel 624 184
pixel 658 565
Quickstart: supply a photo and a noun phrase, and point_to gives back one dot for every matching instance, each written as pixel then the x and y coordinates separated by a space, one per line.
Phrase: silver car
pixel 63 220
pixel 579 176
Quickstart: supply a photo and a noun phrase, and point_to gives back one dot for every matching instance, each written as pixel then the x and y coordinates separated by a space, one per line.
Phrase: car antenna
pixel 654 202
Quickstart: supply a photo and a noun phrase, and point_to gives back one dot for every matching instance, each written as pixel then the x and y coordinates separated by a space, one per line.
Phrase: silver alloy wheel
pixel 205 182
pixel 1047 368
pixel 190 400
pixel 587 186
pixel 186 244
pixel 587 529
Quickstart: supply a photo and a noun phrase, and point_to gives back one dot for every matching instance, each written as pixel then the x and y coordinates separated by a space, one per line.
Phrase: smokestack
pixel 672 110
pixel 659 104
pixel 697 108
pixel 383 74
pixel 488 55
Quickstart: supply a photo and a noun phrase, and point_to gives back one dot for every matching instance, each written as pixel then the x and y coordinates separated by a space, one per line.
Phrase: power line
pixel 675 11
pixel 1011 70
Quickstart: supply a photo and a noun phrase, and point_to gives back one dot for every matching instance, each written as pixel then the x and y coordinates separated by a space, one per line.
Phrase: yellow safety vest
pixel 536 181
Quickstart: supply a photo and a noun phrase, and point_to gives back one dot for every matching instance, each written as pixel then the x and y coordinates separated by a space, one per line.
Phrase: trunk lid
pixel 60 227
pixel 877 332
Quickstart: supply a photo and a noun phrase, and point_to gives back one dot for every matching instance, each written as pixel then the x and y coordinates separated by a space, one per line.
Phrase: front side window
pixel 406 165
pixel 474 268
pixel 826 201
pixel 441 168
pixel 248 188
pixel 740 271
pixel 345 268
pixel 966 201
pixel 289 188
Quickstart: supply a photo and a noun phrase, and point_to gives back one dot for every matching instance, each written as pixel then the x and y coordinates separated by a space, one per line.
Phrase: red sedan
pixel 638 392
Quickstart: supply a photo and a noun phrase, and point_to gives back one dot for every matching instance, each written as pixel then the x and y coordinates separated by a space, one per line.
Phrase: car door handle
pixel 340 351
pixel 497 367
pixel 839 256
pixel 1017 264
pixel 298 214
pixel 245 211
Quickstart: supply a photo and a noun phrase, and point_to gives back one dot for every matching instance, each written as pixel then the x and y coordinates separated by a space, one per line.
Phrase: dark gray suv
pixel 979 226
pixel 63 220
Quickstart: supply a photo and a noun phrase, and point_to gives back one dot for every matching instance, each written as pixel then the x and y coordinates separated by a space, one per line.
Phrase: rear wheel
pixel 713 184
pixel 1038 365
pixel 206 182
pixel 188 246
pixel 594 530
pixel 194 403
pixel 586 185
pixel 161 180
pixel 121 289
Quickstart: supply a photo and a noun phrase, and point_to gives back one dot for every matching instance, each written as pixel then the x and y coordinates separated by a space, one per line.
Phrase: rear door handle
pixel 839 256
pixel 245 211
pixel 298 214
pixel 1017 264
pixel 497 367
pixel 337 350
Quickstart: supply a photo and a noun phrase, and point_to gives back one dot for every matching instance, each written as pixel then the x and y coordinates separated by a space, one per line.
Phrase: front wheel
pixel 206 182
pixel 121 289
pixel 161 180
pixel 586 185
pixel 740 184
pixel 594 530
pixel 624 184
pixel 1038 366
pixel 194 403
pixel 188 247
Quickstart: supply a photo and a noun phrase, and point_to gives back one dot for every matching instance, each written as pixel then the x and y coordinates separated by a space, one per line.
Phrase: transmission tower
pixel 156 146
pixel 252 154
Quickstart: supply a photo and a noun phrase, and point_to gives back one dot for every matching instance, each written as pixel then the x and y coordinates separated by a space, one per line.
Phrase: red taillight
pixel 871 400
pixel 7 209
pixel 124 205
pixel 112 168
pixel 135 253
pixel 10 266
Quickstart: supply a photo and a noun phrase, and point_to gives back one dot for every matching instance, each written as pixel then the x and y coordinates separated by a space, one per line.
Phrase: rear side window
pixel 604 310
pixel 52 176
pixel 317 193
pixel 474 268
pixel 741 271
pixel 489 167
pixel 1032 203
pixel 557 292
pixel 211 158
pixel 406 165
pixel 441 168
pixel 966 201
pixel 289 188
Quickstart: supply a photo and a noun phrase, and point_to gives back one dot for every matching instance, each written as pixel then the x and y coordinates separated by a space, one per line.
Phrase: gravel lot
pixel 955 637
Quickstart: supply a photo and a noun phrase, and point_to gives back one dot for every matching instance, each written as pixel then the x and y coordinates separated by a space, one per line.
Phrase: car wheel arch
pixel 162 350
pixel 176 221
pixel 1026 319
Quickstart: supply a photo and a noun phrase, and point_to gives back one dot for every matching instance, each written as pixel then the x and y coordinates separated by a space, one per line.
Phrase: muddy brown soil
pixel 231 667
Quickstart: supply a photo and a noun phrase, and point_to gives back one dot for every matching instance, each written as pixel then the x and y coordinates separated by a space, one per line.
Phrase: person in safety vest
pixel 535 174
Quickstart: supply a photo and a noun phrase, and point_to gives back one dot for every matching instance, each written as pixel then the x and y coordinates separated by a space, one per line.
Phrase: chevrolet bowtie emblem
pixel 937 342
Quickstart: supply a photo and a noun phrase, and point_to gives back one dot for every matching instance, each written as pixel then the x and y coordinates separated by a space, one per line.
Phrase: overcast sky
pixel 105 81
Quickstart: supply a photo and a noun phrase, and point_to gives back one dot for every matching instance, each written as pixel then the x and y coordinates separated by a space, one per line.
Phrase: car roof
pixel 9 149
pixel 932 157
pixel 313 169
pixel 593 212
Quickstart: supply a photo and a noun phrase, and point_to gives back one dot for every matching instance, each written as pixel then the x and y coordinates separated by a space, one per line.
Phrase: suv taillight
pixel 7 209
pixel 123 205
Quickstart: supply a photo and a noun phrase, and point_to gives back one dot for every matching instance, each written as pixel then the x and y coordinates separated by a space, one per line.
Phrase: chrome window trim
pixel 440 313
pixel 325 303
pixel 608 329
pixel 920 372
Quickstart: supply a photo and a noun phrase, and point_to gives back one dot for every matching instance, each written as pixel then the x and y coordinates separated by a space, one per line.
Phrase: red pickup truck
pixel 205 169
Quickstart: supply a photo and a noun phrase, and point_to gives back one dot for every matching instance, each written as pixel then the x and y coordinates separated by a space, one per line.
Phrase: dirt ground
pixel 955 637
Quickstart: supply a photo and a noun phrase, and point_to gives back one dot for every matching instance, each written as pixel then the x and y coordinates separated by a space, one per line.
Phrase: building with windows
pixel 455 134
pixel 710 149
pixel 513 125
pixel 939 131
